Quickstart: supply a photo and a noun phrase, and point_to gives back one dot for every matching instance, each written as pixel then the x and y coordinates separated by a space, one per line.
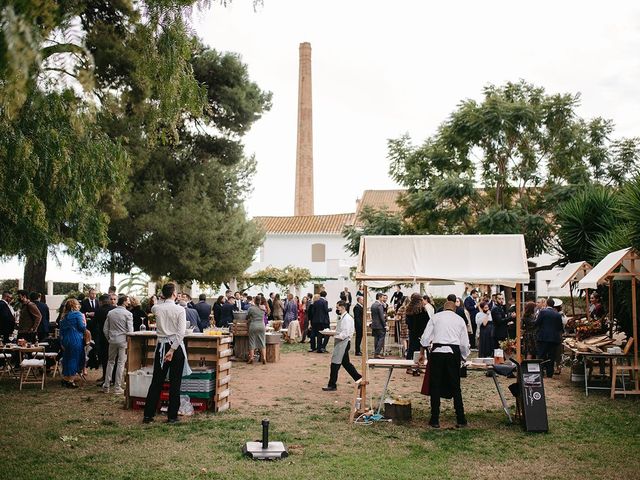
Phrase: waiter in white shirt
pixel 446 333
pixel 342 342
pixel 170 355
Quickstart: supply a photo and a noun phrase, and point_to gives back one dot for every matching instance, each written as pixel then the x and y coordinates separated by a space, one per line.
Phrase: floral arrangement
pixel 586 328
pixel 508 346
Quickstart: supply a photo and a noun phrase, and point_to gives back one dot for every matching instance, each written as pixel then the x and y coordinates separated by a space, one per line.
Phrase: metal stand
pixel 505 407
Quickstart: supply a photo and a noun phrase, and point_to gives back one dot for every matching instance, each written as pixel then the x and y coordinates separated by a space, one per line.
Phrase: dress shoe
pixel 173 420
pixel 320 351
pixel 329 389
pixel 312 350
pixel 358 354
pixel 462 425
pixel 434 424
pixel 147 419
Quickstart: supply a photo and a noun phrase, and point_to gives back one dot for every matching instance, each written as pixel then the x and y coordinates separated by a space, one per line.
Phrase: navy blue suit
pixel 204 310
pixel 549 324
pixel 320 321
pixel 43 328
pixel 226 315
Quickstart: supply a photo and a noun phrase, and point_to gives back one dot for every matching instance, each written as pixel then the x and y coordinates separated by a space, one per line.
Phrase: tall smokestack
pixel 304 150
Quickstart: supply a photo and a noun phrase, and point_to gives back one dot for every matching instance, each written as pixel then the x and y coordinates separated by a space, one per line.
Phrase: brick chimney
pixel 304 150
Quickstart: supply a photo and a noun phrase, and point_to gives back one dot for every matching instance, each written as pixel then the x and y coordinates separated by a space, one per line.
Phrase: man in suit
pixel 43 328
pixel 204 312
pixel 226 313
pixel 101 342
pixel 378 325
pixel 7 317
pixel 320 321
pixel 89 306
pixel 270 303
pixel 346 297
pixel 500 318
pixel 549 324
pixel 358 318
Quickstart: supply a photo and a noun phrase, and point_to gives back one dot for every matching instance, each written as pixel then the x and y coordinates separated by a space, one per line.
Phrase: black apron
pixel 445 371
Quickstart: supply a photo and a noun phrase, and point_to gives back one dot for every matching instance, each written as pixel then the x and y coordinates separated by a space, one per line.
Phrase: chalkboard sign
pixel 534 404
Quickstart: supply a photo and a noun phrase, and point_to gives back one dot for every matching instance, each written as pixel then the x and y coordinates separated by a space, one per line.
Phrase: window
pixel 318 252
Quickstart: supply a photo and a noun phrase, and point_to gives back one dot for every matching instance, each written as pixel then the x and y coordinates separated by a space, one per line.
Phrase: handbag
pixel 425 390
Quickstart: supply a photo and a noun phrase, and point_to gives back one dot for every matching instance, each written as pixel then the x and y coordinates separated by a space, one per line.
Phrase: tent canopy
pixel 475 259
pixel 605 269
pixel 572 272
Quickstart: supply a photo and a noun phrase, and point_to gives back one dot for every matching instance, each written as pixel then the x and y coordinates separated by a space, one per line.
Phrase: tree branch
pixel 46 52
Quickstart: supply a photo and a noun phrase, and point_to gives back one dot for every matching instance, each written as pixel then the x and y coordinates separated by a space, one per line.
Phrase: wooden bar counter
pixel 203 352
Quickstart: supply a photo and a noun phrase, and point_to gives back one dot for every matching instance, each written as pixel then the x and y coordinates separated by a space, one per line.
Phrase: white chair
pixel 32 370
pixel 6 369
pixel 50 356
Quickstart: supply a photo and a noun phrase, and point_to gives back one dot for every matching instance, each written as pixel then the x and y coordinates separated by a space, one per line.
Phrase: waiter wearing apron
pixel 342 342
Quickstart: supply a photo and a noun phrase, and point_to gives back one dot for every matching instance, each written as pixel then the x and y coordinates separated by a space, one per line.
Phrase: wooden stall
pixel 392 260
pixel 621 265
pixel 206 354
pixel 240 331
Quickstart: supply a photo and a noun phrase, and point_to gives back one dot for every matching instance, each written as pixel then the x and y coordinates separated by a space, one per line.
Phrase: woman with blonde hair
pixel 72 327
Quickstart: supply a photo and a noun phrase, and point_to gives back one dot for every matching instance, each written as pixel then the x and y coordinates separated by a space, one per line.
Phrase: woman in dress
pixel 290 310
pixel 278 309
pixel 217 310
pixel 139 317
pixel 257 331
pixel 529 330
pixel 401 319
pixel 429 306
pixel 302 316
pixel 72 327
pixel 417 318
pixel 485 327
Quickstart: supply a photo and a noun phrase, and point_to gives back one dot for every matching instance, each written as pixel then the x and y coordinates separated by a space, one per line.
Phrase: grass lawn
pixel 60 433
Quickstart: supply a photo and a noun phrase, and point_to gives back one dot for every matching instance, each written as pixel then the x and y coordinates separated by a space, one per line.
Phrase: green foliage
pixel 284 278
pixel 66 288
pixel 371 222
pixel 57 168
pixel 503 165
pixel 592 214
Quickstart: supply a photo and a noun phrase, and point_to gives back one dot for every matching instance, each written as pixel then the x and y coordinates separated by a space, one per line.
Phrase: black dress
pixel 416 324
pixel 139 318
pixel 530 332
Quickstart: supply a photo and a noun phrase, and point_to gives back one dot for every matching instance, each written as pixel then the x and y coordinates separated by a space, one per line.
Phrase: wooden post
pixel 518 326
pixel 573 304
pixel 611 312
pixel 634 319
pixel 365 349
pixel 586 301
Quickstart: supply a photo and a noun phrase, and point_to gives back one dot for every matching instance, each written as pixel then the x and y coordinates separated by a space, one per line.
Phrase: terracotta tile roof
pixel 306 224
pixel 380 199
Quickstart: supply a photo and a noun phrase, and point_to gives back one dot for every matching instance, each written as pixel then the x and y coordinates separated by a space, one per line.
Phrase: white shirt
pixel 346 328
pixel 171 321
pixel 446 327
pixel 480 316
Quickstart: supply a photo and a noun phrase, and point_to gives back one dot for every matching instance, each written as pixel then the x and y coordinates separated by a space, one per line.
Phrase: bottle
pixel 143 327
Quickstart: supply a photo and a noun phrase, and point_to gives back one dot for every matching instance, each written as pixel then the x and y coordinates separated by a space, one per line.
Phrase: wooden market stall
pixel 570 275
pixel 621 265
pixel 390 260
pixel 209 357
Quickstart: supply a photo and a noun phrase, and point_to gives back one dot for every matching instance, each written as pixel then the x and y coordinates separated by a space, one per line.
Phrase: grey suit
pixel 378 326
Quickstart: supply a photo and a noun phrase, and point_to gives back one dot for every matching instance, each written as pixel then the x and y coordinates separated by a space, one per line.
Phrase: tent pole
pixel 365 349
pixel 518 325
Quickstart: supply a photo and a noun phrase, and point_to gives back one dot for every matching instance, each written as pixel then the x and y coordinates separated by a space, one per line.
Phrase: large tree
pixel 503 164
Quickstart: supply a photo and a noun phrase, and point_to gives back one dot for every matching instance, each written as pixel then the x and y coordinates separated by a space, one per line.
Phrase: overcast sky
pixel 383 68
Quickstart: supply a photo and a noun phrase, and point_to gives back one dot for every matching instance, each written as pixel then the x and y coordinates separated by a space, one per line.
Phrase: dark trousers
pixel 445 381
pixel 547 351
pixel 348 366
pixel 378 338
pixel 358 326
pixel 472 335
pixel 174 367
pixel 30 337
pixel 313 339
pixel 321 341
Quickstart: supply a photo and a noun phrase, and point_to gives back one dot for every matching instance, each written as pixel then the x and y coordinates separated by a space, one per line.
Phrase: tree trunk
pixel 35 272
pixel 112 277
